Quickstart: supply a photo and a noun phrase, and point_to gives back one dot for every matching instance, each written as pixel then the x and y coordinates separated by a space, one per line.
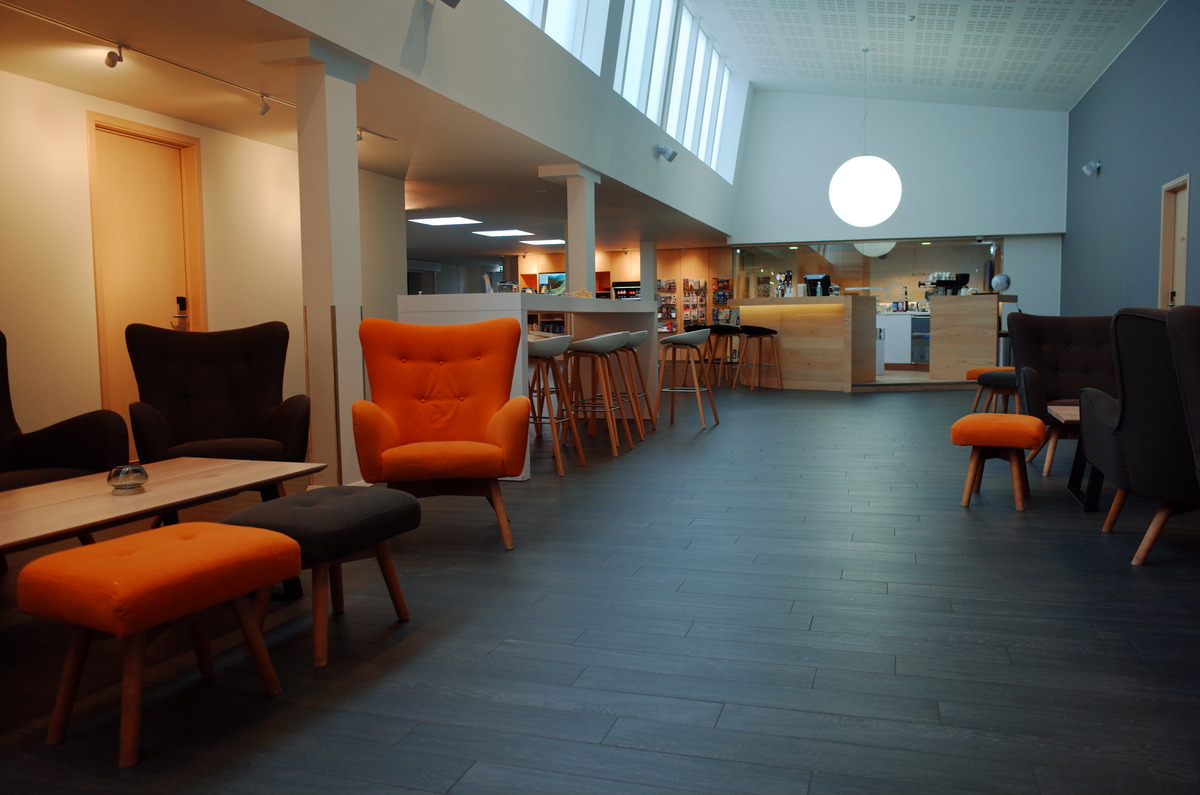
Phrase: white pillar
pixel 581 222
pixel 331 252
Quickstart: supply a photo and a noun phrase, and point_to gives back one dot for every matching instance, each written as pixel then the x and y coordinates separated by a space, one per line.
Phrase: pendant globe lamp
pixel 865 190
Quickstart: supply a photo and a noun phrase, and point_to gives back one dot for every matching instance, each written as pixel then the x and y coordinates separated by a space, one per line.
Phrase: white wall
pixel 966 171
pixel 1033 264
pixel 384 243
pixel 47 304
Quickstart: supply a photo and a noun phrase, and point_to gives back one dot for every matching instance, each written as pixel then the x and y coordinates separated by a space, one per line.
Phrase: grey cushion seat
pixel 335 522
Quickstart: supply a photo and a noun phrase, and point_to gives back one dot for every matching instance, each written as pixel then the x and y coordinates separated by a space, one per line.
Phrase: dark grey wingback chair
pixel 215 394
pixel 1138 438
pixel 93 442
pixel 1055 357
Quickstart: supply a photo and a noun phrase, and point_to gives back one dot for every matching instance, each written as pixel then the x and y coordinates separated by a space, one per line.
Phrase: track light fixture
pixel 665 152
pixel 264 108
pixel 1092 168
pixel 114 57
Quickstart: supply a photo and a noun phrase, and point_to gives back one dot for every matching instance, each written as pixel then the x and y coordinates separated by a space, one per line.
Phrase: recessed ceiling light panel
pixel 551 242
pixel 504 233
pixel 454 220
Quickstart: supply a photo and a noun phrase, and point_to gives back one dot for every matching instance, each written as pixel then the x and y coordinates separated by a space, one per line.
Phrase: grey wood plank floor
pixel 792 601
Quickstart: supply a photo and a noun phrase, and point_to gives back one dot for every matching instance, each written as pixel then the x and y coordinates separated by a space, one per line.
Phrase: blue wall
pixel 1142 121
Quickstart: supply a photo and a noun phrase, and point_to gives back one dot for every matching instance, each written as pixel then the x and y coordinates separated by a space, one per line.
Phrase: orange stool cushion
pixel 975 372
pixel 129 584
pixel 998 430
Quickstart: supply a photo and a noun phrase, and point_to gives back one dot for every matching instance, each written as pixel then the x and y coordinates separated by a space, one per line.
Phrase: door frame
pixel 193 229
pixel 1173 193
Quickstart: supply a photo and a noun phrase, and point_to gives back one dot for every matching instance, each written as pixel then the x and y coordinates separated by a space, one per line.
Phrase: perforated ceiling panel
pixel 1041 54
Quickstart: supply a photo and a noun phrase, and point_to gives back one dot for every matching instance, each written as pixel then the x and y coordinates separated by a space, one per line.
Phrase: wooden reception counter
pixel 825 342
pixel 964 330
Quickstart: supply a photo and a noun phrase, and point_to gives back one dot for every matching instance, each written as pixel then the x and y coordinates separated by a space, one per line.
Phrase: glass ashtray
pixel 128 479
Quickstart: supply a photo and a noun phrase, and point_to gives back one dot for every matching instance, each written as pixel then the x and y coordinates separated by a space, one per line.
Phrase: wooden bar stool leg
pixel 132 681
pixel 337 596
pixel 203 649
pixel 974 470
pixel 1051 445
pixel 564 404
pixel 1020 477
pixel 696 374
pixel 388 569
pixel 257 646
pixel 320 597
pixel 68 684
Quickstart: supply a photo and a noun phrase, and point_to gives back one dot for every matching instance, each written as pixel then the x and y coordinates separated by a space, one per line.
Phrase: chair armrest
pixel 374 432
pixel 288 424
pixel 151 434
pixel 96 441
pixel 1099 416
pixel 1032 392
pixel 508 429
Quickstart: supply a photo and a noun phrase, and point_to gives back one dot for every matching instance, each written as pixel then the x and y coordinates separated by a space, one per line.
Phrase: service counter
pixel 825 342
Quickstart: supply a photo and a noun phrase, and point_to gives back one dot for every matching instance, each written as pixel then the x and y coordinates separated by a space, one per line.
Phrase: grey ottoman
pixel 335 525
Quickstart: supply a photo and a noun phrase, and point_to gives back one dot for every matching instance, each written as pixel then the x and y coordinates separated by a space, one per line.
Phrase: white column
pixel 581 222
pixel 331 253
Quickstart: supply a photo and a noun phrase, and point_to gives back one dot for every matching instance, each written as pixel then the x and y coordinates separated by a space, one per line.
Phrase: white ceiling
pixel 1037 54
pixel 1009 53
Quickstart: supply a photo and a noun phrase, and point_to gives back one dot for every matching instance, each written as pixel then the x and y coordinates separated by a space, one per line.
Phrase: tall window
pixel 664 62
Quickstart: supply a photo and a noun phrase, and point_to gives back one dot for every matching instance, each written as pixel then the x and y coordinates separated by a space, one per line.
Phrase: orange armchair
pixel 440 419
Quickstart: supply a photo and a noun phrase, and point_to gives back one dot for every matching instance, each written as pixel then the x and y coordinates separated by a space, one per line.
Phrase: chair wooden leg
pixel 1114 511
pixel 1034 452
pixel 1020 477
pixel 68 684
pixel 975 403
pixel 697 376
pixel 497 501
pixel 388 569
pixel 712 404
pixel 1159 521
pixel 1051 445
pixel 132 681
pixel 320 598
pixel 974 470
pixel 202 648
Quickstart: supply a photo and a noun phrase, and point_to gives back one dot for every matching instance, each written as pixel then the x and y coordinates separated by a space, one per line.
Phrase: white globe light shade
pixel 875 248
pixel 865 191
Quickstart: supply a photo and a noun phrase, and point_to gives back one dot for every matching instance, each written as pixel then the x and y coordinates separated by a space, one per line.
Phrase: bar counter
pixel 825 342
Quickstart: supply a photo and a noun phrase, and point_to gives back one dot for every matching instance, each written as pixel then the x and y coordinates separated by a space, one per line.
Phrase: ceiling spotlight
pixel 1092 168
pixel 114 57
pixel 665 152
pixel 263 108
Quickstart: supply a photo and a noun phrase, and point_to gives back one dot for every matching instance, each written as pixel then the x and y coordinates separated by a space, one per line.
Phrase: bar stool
pixel 720 351
pixel 752 356
pixel 602 398
pixel 548 390
pixel 686 345
pixel 635 385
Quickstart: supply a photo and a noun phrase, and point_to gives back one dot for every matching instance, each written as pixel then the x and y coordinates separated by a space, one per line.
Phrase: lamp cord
pixel 862 128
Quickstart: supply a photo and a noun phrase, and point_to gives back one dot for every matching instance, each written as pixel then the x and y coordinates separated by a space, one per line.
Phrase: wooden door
pixel 1172 262
pixel 146 240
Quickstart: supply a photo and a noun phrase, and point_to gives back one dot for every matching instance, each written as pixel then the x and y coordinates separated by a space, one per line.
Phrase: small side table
pixel 1088 497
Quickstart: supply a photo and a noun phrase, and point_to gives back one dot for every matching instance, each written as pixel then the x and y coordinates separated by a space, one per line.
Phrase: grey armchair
pixel 1055 357
pixel 215 394
pixel 1137 438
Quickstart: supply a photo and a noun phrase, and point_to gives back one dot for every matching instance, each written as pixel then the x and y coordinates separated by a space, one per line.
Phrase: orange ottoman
pixel 998 436
pixel 129 585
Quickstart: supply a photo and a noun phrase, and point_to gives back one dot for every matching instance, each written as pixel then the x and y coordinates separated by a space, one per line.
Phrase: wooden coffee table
pixel 52 511
pixel 1088 497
